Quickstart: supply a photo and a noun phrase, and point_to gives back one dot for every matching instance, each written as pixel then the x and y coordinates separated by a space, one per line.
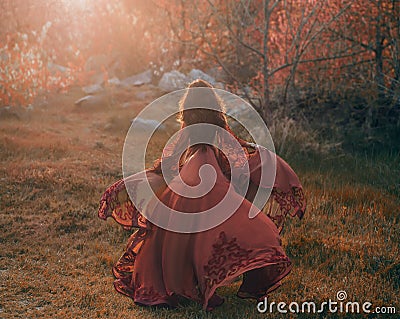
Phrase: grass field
pixel 56 255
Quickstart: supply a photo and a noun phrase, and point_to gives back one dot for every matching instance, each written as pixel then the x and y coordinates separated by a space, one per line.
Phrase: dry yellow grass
pixel 56 255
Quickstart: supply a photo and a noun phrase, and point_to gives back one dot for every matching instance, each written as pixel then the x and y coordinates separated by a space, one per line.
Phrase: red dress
pixel 159 265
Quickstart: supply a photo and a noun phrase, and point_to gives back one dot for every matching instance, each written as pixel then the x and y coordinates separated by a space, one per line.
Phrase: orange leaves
pixel 24 71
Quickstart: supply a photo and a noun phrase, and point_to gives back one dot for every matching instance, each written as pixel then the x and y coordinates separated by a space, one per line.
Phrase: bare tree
pixel 254 41
pixel 379 20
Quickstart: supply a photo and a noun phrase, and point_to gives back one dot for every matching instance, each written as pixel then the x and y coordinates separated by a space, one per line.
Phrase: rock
pixel 83 99
pixel 198 74
pixel 172 81
pixel 138 79
pixel 91 101
pixel 92 89
pixel 147 124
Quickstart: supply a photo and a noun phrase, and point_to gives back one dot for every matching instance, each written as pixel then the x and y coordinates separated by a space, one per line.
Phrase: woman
pixel 161 265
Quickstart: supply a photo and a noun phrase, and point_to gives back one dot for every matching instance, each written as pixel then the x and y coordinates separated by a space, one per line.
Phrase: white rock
pixel 138 79
pixel 92 101
pixel 83 99
pixel 198 74
pixel 172 81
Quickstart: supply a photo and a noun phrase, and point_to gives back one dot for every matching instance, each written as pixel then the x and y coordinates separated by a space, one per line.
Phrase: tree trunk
pixel 266 107
pixel 379 80
pixel 379 56
pixel 396 49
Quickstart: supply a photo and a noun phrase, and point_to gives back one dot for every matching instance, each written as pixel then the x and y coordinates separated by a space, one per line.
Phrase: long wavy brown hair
pixel 191 112
pixel 212 113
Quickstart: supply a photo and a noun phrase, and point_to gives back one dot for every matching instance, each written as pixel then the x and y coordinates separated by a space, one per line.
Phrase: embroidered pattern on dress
pixel 117 204
pixel 292 203
pixel 227 258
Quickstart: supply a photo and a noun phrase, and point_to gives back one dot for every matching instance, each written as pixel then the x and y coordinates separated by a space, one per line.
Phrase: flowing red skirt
pixel 159 265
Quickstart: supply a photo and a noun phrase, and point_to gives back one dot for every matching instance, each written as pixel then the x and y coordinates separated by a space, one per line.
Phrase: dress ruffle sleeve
pixel 287 196
pixel 117 204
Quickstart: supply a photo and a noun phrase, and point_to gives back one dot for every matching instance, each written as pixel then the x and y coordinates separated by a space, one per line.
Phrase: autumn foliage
pixel 52 45
pixel 261 48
